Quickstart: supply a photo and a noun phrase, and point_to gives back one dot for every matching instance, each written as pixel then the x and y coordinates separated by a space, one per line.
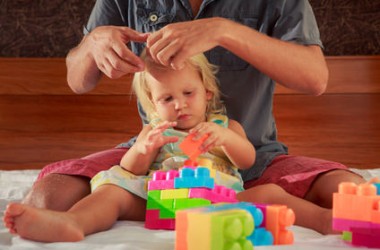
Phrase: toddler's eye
pixel 168 99
pixel 188 92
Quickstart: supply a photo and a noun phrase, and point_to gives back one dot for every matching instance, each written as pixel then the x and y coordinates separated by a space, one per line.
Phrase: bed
pixel 132 235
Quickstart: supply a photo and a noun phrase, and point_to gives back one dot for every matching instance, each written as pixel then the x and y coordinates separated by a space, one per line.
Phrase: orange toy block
pixel 278 218
pixel 356 202
pixel 181 225
pixel 191 147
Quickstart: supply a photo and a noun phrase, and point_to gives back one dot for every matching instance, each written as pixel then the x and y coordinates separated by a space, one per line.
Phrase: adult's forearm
pixel 82 71
pixel 295 66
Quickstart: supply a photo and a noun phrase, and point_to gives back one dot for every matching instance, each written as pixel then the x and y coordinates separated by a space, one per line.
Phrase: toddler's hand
pixel 155 138
pixel 216 135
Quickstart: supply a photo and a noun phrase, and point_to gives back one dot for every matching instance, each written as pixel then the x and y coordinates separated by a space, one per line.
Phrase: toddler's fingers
pixel 170 139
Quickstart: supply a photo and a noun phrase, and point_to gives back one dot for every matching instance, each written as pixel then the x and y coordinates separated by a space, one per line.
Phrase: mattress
pixel 15 184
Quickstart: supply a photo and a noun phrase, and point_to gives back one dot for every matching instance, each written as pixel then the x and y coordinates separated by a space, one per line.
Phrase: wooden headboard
pixel 42 121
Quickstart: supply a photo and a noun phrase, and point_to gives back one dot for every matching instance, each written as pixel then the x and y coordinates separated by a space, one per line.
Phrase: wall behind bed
pixel 42 121
pixel 49 28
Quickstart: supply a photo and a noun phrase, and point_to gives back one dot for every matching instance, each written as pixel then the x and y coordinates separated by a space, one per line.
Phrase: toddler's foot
pixel 41 224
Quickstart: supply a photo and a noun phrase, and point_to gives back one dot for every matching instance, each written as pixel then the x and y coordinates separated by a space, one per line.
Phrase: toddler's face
pixel 179 95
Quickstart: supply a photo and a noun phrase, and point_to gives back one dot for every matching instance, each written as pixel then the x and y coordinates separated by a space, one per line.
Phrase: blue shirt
pixel 247 93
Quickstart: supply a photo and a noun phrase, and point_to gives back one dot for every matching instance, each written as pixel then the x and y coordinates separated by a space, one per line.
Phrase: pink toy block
pixel 153 220
pixel 346 225
pixel 216 195
pixel 366 237
pixel 163 180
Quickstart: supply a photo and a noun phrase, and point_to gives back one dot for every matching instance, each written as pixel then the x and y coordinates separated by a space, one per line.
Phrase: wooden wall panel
pixel 341 127
pixel 350 74
pixel 42 121
pixel 47 76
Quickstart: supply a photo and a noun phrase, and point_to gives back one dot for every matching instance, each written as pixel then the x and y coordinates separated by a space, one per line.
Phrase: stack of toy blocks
pixel 356 212
pixel 174 190
pixel 208 216
pixel 189 187
pixel 232 226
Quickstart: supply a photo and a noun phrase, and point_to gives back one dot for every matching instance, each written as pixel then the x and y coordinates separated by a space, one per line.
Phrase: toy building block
pixel 261 237
pixel 216 230
pixel 277 219
pixel 153 221
pixel 186 203
pixel 377 185
pixel 188 235
pixel 165 207
pixel 356 212
pixel 191 147
pixel 216 195
pixel 154 200
pixel 174 193
pixel 368 237
pixel 353 202
pixel 163 180
pixel 191 178
pixel 356 206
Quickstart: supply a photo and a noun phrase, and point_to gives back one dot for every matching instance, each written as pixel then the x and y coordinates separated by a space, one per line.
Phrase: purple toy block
pixel 217 195
pixel 163 180
pixel 192 178
pixel 153 220
pixel 368 237
pixel 263 208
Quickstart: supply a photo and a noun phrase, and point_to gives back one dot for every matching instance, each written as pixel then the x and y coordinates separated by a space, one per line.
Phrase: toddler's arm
pixel 141 155
pixel 232 140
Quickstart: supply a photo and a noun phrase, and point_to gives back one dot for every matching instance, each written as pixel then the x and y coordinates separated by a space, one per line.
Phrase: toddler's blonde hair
pixel 199 63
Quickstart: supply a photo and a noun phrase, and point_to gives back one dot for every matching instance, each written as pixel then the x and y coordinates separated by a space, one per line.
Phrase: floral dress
pixel 169 157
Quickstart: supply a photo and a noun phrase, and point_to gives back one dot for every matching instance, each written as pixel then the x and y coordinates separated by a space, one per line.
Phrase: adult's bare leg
pixel 308 214
pixel 322 189
pixel 61 191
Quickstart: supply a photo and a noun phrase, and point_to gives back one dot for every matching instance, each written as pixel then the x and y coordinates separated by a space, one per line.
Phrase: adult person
pixel 254 43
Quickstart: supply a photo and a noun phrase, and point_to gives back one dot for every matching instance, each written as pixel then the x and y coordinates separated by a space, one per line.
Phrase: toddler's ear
pixel 209 95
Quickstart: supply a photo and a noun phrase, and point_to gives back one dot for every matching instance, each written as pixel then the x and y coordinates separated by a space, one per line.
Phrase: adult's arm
pixel 103 51
pixel 299 67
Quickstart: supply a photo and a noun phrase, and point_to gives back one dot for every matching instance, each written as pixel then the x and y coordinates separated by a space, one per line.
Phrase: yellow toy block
pixel 175 193
pixel 214 230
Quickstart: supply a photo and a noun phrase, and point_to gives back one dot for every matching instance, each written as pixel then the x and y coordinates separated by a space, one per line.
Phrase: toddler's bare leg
pixel 58 192
pixel 94 213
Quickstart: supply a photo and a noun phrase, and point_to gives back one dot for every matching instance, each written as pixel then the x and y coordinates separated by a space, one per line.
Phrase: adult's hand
pixel 110 52
pixel 104 50
pixel 174 43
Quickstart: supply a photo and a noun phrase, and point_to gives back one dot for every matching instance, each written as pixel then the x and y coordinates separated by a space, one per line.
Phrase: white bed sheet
pixel 132 235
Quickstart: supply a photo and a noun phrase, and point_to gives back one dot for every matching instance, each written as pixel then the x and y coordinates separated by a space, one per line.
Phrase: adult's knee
pixel 266 193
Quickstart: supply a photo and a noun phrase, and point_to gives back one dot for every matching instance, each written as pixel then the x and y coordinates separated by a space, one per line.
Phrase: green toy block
pixel 190 203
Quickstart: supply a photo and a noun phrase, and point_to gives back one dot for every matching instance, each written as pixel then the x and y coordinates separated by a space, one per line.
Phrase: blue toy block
pixel 192 178
pixel 377 185
pixel 261 237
